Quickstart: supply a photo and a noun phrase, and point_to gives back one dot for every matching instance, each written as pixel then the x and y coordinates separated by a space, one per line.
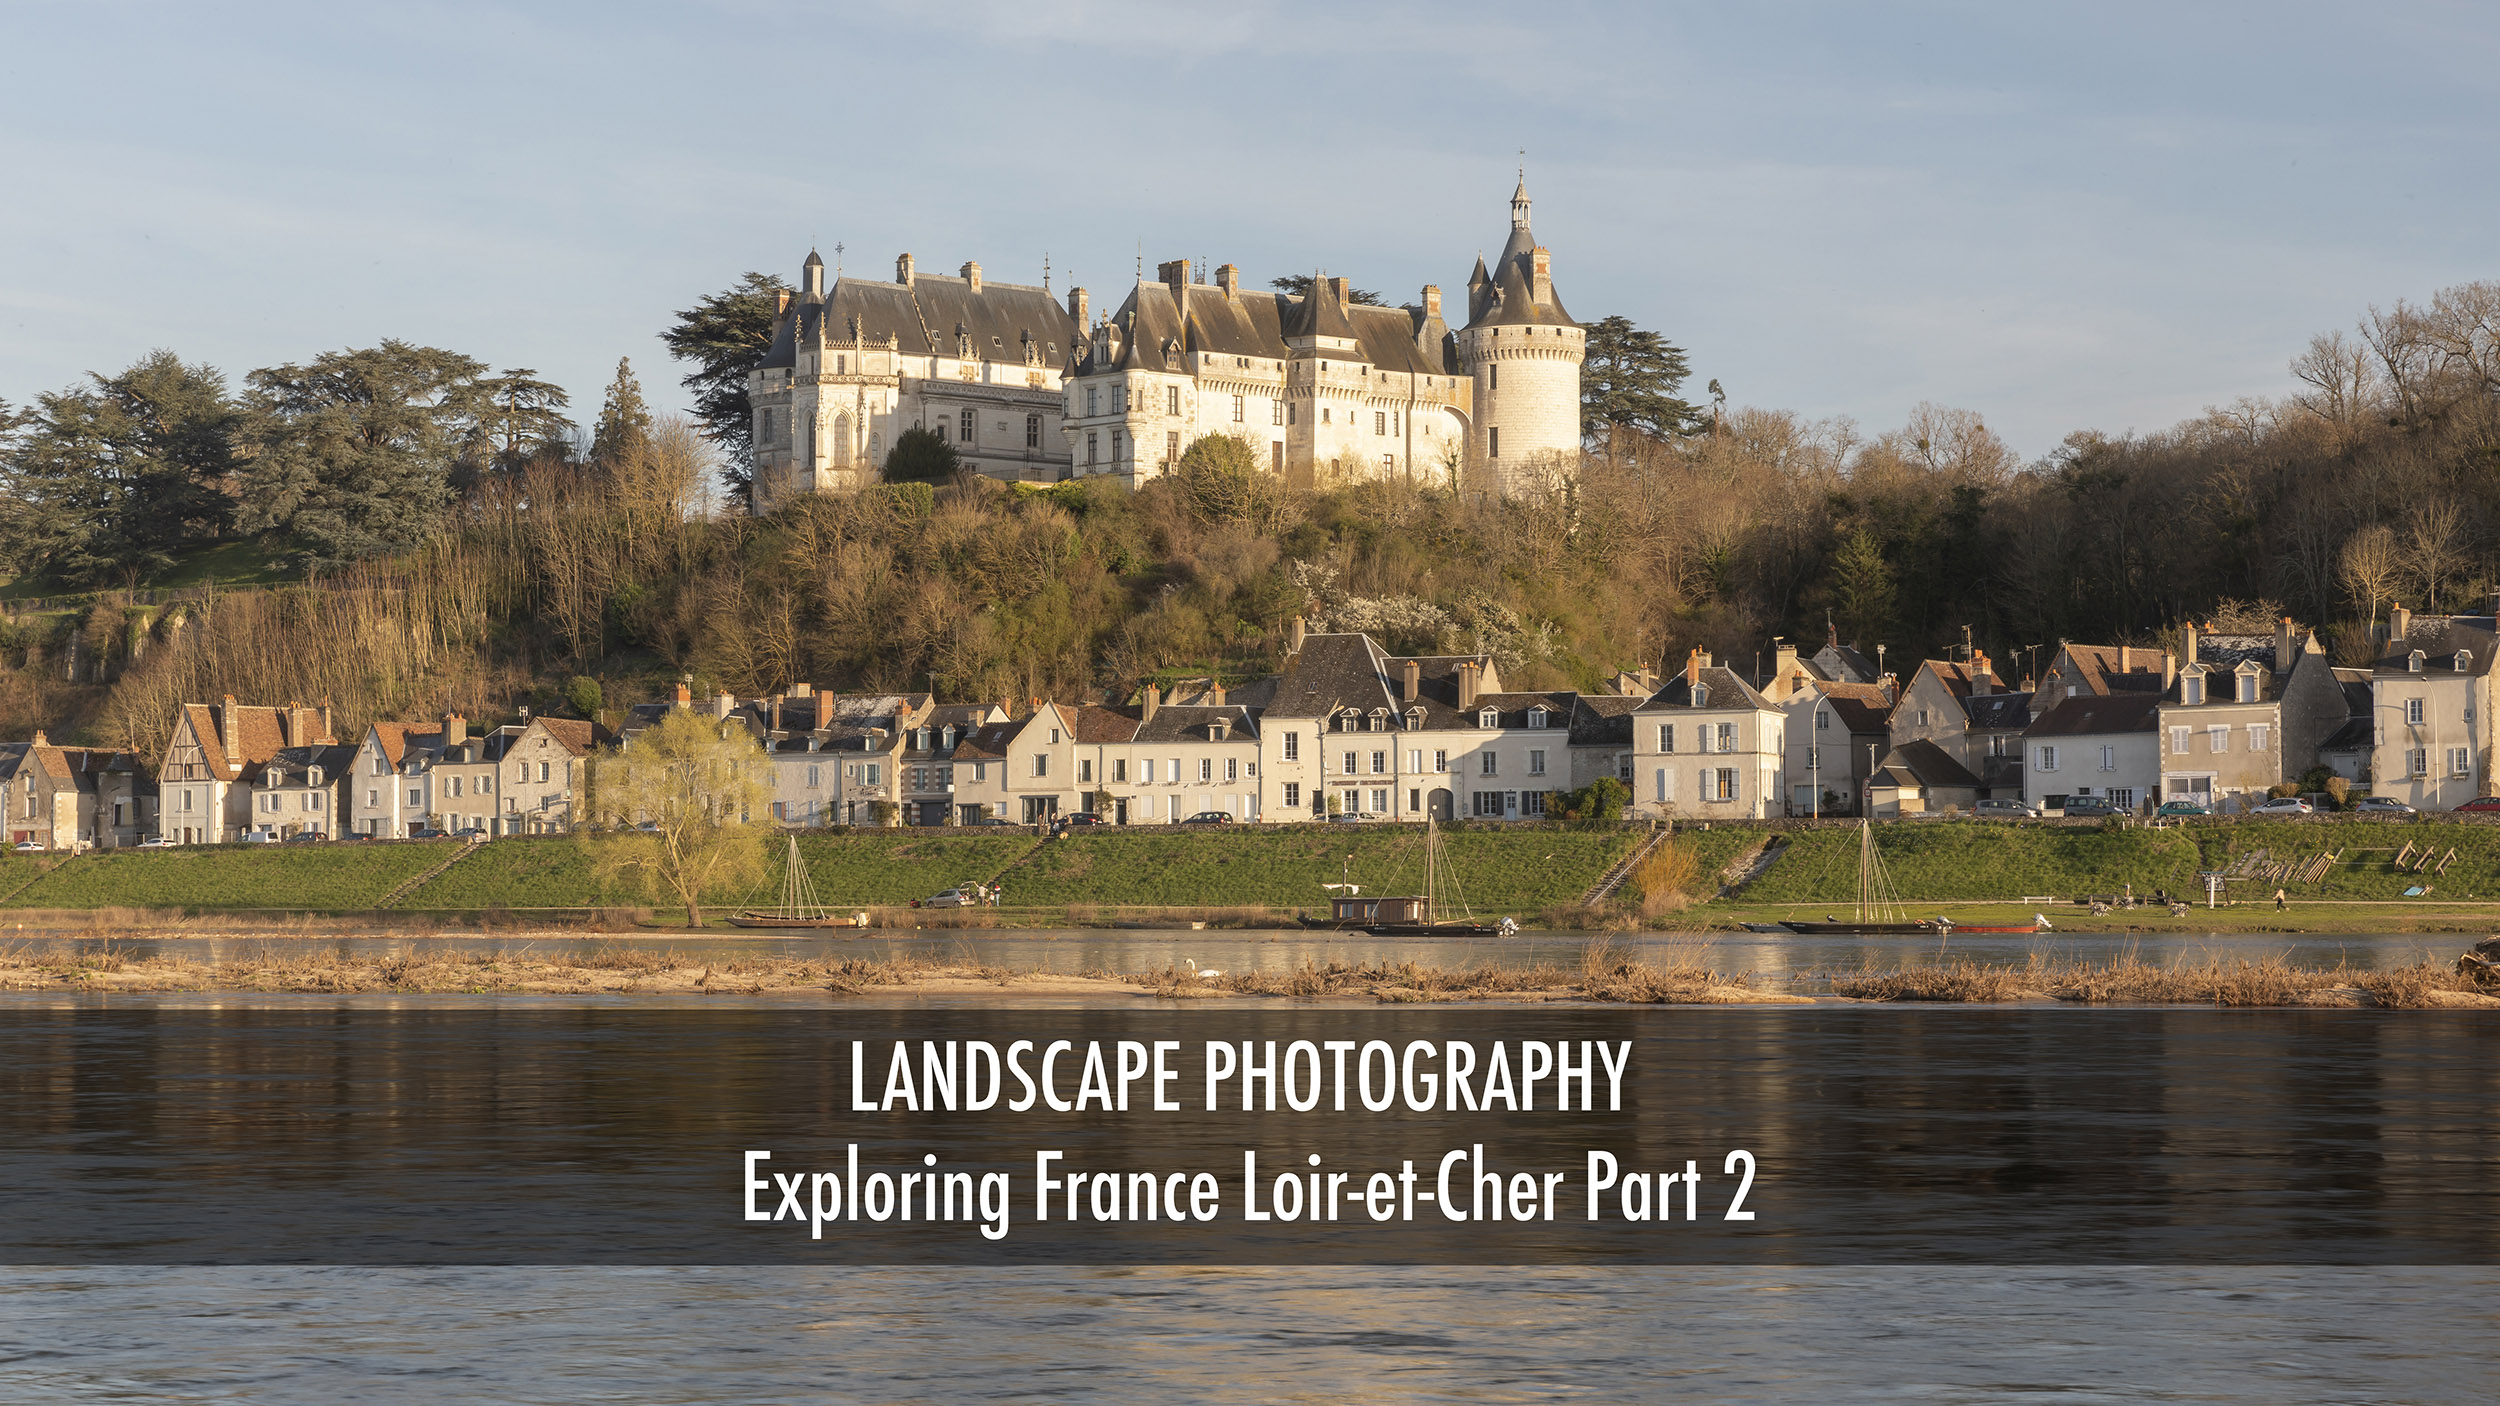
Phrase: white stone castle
pixel 1024 389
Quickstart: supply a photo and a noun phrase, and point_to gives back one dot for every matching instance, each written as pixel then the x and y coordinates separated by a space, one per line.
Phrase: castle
pixel 1024 389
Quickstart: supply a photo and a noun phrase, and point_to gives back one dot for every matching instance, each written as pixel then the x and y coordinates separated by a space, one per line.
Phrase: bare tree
pixel 2432 554
pixel 2368 567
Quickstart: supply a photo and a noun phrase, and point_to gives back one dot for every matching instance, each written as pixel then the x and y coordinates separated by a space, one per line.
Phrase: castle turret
pixel 1523 351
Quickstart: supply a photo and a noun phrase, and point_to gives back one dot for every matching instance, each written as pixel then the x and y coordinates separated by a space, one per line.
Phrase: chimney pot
pixel 1154 702
pixel 1228 278
pixel 1413 682
pixel 903 270
pixel 972 275
pixel 685 696
pixel 1692 667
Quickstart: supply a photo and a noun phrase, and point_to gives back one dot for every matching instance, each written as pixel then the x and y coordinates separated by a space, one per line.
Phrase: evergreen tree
pixel 109 481
pixel 1630 380
pixel 919 456
pixel 1299 285
pixel 520 418
pixel 357 449
pixel 1862 588
pixel 726 335
pixel 624 430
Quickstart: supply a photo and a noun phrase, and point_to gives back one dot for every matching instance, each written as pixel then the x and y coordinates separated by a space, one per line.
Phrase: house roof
pixel 2089 715
pixel 2097 668
pixel 1154 334
pixel 1847 664
pixel 928 317
pixel 577 736
pixel 2440 644
pixel 291 766
pixel 1189 723
pixel 1723 687
pixel 1602 719
pixel 397 740
pixel 1925 765
pixel 260 731
pixel 2356 735
pixel 2000 712
pixel 990 741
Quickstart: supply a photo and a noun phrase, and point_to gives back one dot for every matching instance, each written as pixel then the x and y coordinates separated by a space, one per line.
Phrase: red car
pixel 2482 803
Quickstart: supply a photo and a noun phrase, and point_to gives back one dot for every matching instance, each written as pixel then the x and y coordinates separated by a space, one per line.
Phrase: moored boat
pixel 799 907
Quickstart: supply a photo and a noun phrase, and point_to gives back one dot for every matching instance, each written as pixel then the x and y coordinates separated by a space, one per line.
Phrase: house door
pixel 1119 810
pixel 1441 803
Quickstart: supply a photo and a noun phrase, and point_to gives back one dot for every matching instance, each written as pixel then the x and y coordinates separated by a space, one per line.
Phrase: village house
pixel 1601 736
pixel 465 774
pixel 925 766
pixel 214 760
pixel 2104 746
pixel 1936 707
pixel 298 792
pixel 393 788
pixel 1347 719
pixel 1708 745
pixel 2245 713
pixel 2431 705
pixel 1836 733
pixel 545 785
pixel 980 761
pixel 69 799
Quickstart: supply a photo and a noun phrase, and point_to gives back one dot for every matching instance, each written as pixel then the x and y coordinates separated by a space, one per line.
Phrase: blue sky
pixel 2104 216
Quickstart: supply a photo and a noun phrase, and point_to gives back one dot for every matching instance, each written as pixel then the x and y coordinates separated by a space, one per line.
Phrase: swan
pixel 1202 973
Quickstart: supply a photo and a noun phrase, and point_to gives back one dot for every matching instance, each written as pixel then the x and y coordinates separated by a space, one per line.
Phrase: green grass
pixel 339 877
pixel 246 563
pixel 890 867
pixel 1514 871
pixel 1939 859
pixel 2365 856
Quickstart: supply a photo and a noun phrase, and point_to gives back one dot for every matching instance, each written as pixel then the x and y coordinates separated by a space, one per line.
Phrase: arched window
pixel 842 439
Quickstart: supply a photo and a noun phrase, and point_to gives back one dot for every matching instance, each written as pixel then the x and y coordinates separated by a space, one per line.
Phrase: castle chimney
pixel 781 301
pixel 1337 286
pixel 903 270
pixel 1228 278
pixel 1466 684
pixel 1076 309
pixel 972 275
pixel 1173 274
pixel 1413 682
pixel 455 730
pixel 1154 703
pixel 1541 287
pixel 2283 645
pixel 1432 302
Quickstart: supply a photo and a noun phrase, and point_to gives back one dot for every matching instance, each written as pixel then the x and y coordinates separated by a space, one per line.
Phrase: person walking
pixel 2279 904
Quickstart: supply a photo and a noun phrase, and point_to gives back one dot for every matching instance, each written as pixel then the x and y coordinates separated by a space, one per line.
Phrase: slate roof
pixel 577 736
pixel 1331 672
pixel 926 318
pixel 990 741
pixel 1189 723
pixel 2000 712
pixel 292 764
pixel 2356 735
pixel 2440 644
pixel 1724 687
pixel 1925 765
pixel 1602 719
pixel 2092 715
pixel 1863 708
pixel 1154 337
pixel 1511 709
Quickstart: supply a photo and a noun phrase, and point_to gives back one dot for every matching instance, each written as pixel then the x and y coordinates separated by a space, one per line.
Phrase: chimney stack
pixel 2283 658
pixel 1337 286
pixel 1692 667
pixel 1215 694
pixel 1542 287
pixel 1466 684
pixel 226 729
pixel 1293 636
pixel 972 275
pixel 1076 309
pixel 1783 669
pixel 2169 669
pixel 2187 645
pixel 455 730
pixel 781 302
pixel 1173 274
pixel 1432 302
pixel 1412 684
pixel 2399 624
pixel 1154 703
pixel 903 270
pixel 685 696
pixel 1228 278
pixel 723 704
pixel 1983 679
pixel 2122 657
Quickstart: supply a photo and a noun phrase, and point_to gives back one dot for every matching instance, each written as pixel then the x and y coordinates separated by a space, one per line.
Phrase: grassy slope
pixel 2365 850
pixel 1934 859
pixel 233 876
pixel 1515 872
pixel 895 867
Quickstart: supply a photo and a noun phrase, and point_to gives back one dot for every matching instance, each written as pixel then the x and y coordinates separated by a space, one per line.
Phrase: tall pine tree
pixel 623 433
pixel 357 449
pixel 725 336
pixel 107 483
pixel 1630 381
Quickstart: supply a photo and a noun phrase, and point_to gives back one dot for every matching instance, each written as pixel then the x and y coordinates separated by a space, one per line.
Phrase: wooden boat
pixel 1413 915
pixel 798 908
pixel 1879 908
pixel 1950 926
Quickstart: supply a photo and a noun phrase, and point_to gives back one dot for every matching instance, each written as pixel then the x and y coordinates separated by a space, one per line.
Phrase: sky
pixel 2063 217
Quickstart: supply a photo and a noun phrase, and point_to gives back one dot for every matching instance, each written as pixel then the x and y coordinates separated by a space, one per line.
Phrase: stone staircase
pixel 391 899
pixel 1613 878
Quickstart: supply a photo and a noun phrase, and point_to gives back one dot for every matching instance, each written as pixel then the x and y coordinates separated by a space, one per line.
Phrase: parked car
pixel 2481 803
pixel 1082 817
pixel 992 820
pixel 308 837
pixel 2089 805
pixel 1210 817
pixel 158 842
pixel 952 898
pixel 1351 817
pixel 2384 805
pixel 2005 808
pixel 30 847
pixel 479 832
pixel 2284 805
pixel 2182 808
pixel 259 837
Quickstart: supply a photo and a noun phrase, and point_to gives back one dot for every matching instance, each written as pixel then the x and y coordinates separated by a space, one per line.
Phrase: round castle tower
pixel 1524 353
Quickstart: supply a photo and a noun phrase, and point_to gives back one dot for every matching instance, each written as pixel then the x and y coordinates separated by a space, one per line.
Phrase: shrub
pixel 919 456
pixel 1667 880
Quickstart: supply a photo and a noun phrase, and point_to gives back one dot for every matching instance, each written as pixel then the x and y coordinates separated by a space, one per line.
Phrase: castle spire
pixel 1519 202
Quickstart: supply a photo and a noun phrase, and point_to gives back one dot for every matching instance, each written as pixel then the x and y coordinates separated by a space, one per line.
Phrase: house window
pixel 454 787
pixel 2122 797
pixel 2178 741
pixel 1380 802
pixel 1084 771
pixel 1388 463
pixel 1536 717
pixel 1119 400
pixel 312 776
pixel 1239 406
pixel 1922 717
pixel 815 777
pixel 1440 760
pixel 1146 772
pixel 2109 759
pixel 1822 721
pixel 1487 765
pixel 1349 767
pixel 2192 690
pixel 1293 746
pixel 1701 699
pixel 1488 718
pixel 2418 762
pixel 1293 795
pixel 2258 736
pixel 1232 769
pixel 372 798
pixel 2413 662
pixel 1171 400
pixel 1488 802
pixel 2413 711
pixel 1379 722
pixel 2460 762
pixel 1119 769
pixel 1727 737
pixel 1032 431
pixel 1380 763
pixel 1414 798
pixel 2217 739
pixel 1041 763
pixel 415 798
pixel 1533 802
pixel 381 767
pixel 966 433
pixel 2045 759
pixel 1663 788
pixel 1536 762
pixel 1206 769
pixel 1723 784
pixel 1093 405
pixel 1415 760
pixel 1089 448
pixel 2248 688
pixel 1354 803
pixel 874 771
